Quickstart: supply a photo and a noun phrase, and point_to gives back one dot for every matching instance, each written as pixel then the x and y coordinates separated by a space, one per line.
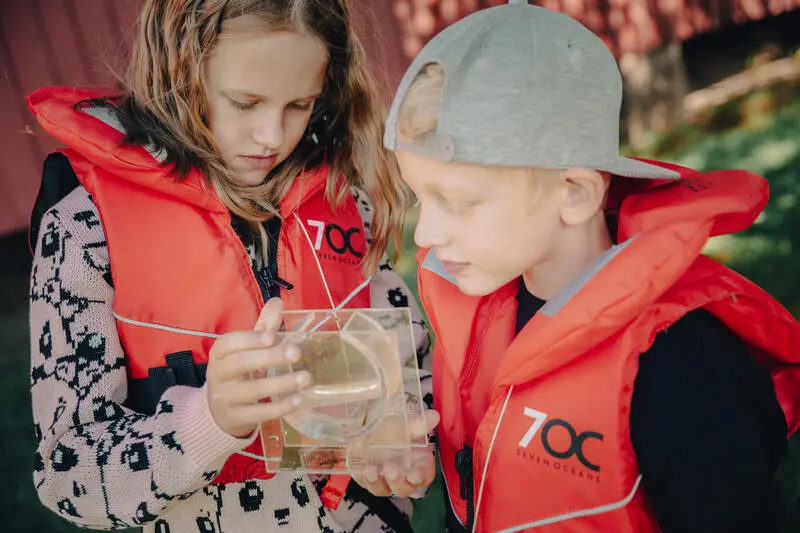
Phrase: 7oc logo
pixel 339 240
pixel 576 440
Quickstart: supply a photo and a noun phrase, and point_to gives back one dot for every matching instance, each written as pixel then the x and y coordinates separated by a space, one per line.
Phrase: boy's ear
pixel 586 193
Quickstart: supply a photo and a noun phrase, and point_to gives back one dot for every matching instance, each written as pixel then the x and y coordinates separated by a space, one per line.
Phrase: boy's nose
pixel 430 232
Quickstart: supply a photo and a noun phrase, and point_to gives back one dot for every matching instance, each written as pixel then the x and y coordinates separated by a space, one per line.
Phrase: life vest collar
pixel 662 228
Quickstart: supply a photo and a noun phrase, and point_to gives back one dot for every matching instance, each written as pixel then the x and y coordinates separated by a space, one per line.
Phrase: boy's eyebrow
pixel 451 189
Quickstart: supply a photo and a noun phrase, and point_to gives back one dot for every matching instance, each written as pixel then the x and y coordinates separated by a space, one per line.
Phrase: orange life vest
pixel 181 274
pixel 553 451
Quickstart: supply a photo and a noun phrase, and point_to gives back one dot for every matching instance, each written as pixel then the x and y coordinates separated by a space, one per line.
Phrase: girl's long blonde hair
pixel 165 104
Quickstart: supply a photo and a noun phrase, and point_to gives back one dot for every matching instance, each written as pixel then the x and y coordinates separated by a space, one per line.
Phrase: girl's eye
pixel 301 107
pixel 242 105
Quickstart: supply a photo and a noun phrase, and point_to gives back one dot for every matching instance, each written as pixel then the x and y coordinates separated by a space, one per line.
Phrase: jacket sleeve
pixel 708 431
pixel 99 464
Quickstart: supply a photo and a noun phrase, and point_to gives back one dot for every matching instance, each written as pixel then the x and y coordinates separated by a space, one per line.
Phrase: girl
pixel 234 169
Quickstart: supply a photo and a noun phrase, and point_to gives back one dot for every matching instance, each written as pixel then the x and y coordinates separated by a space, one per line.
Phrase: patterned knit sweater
pixel 99 464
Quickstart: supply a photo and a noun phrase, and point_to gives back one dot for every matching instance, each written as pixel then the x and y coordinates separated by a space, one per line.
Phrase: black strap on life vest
pixel 463 464
pixel 180 369
pixel 58 180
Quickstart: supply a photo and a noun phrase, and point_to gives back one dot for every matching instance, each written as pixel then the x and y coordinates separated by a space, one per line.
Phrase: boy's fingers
pixel 371 480
pixel 424 424
pixel 395 479
pixel 423 471
pixel 401 488
pixel 401 483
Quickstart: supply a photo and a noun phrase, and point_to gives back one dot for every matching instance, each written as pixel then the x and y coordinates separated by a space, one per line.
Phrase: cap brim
pixel 632 168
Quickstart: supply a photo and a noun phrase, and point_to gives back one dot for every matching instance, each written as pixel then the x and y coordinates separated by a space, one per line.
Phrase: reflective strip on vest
pixel 560 299
pixel 165 328
pixel 578 514
pixel 433 264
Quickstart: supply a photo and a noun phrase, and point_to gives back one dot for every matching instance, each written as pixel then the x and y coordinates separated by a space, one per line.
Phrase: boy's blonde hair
pixel 418 116
pixel 419 112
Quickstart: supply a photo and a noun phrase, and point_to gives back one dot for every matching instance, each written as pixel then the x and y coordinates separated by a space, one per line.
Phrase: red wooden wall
pixel 626 26
pixel 45 42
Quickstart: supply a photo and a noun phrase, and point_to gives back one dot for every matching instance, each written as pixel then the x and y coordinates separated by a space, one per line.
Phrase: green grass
pixel 768 252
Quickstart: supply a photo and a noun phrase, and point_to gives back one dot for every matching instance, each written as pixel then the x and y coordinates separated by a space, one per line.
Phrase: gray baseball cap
pixel 524 86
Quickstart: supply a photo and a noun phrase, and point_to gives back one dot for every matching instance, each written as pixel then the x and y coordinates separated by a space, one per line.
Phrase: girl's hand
pixel 235 396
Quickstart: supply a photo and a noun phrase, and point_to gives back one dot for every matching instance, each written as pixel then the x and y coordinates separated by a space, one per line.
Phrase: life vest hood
pixel 65 114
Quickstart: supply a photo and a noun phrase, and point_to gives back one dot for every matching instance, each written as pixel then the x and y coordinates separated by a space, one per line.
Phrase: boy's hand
pixel 396 478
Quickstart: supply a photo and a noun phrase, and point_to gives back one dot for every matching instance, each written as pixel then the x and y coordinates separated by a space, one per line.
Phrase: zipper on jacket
pixel 267 277
pixel 283 284
pixel 267 284
pixel 466 483
pixel 264 285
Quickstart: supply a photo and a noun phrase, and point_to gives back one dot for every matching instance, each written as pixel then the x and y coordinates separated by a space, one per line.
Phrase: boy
pixel 593 371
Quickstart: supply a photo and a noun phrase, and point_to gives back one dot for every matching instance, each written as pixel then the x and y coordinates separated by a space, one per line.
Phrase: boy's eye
pixel 459 206
pixel 455 205
pixel 244 106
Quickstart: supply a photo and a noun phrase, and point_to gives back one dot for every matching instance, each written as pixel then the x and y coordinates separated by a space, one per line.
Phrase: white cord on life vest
pixel 488 458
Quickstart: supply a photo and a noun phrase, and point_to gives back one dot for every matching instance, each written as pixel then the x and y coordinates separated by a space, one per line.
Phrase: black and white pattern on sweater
pixel 365 210
pixel 100 465
pixel 205 523
pixel 251 497
pixel 46 283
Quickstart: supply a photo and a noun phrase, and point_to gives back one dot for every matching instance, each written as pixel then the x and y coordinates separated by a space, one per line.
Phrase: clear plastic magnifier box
pixel 363 396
